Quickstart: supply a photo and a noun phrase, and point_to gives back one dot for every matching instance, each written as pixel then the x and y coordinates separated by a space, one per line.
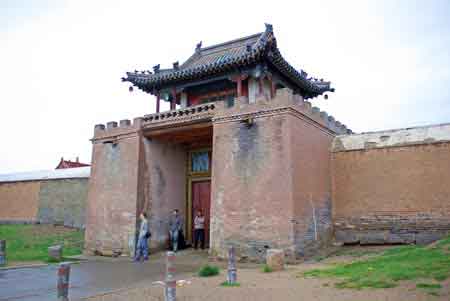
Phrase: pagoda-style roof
pixel 230 57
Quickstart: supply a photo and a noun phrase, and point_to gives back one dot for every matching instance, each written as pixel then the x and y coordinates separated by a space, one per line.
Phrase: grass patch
pixel 267 269
pixel 227 284
pixel 384 270
pixel 30 242
pixel 208 271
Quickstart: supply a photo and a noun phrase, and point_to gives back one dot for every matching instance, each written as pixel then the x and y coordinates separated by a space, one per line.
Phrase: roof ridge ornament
pixel 156 68
pixel 269 27
pixel 198 47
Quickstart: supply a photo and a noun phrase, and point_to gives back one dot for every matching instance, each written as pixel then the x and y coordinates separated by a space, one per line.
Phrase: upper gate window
pixel 200 161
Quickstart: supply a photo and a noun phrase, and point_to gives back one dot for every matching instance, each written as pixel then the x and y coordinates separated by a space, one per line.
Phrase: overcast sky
pixel 61 62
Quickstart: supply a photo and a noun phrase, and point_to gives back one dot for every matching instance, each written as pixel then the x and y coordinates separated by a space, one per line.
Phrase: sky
pixel 61 62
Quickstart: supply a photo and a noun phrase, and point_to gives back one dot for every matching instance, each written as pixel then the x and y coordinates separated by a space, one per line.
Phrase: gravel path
pixel 285 285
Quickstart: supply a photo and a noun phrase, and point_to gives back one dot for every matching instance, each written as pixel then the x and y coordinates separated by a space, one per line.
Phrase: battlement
pixel 286 96
pixel 209 111
pixel 114 129
pixel 393 138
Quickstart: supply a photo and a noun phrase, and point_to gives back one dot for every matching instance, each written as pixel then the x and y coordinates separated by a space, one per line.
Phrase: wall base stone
pixel 419 229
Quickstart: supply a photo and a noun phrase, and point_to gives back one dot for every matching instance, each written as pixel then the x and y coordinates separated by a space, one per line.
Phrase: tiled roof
pixel 70 164
pixel 226 57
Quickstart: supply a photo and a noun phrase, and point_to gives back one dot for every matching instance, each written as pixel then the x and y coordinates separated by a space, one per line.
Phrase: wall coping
pixel 67 173
pixel 430 134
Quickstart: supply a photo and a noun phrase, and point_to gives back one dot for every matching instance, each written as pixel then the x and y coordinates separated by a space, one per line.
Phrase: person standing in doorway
pixel 174 229
pixel 144 235
pixel 199 229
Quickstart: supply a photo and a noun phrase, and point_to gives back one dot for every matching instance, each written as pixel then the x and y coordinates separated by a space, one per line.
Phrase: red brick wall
pixel 19 201
pixel 394 194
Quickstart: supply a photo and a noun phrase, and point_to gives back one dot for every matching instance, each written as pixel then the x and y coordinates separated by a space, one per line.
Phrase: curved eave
pixel 264 50
pixel 154 81
pixel 312 88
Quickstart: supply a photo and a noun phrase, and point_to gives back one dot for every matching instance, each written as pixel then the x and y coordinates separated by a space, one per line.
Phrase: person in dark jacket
pixel 144 234
pixel 174 229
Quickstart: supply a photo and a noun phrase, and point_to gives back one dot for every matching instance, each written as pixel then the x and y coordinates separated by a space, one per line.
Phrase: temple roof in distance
pixel 230 57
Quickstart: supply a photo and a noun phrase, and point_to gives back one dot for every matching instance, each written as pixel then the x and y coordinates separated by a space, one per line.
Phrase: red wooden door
pixel 201 200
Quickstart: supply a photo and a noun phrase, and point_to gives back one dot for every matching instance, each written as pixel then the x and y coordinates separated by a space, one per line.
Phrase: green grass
pixel 267 269
pixel 30 242
pixel 395 264
pixel 208 271
pixel 227 284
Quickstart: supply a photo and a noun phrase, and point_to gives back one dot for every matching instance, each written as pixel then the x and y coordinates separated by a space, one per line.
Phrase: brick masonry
pixel 131 174
pixel 280 179
pixel 391 192
pixel 63 202
pixel 19 201
pixel 271 178
pixel 257 194
pixel 165 176
pixel 114 194
pixel 53 201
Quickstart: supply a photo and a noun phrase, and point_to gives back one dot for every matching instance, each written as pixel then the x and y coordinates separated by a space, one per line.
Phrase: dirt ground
pixel 285 285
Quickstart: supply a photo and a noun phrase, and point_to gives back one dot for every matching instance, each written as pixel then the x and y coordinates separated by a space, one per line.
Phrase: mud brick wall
pixel 271 184
pixel 385 193
pixel 63 202
pixel 19 201
pixel 310 159
pixel 251 203
pixel 114 191
pixel 165 187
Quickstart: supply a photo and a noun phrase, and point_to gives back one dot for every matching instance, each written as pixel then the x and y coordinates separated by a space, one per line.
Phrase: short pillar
pixel 171 283
pixel 63 281
pixel 2 252
pixel 55 253
pixel 275 259
pixel 232 273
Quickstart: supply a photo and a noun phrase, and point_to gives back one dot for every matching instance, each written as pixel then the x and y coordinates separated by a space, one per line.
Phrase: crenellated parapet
pixel 315 113
pixel 115 130
pixel 285 98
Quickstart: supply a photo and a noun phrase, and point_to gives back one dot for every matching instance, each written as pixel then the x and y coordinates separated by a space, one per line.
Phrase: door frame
pixel 192 177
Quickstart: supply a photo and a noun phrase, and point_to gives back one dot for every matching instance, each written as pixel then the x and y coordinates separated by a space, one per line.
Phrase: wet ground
pixel 93 277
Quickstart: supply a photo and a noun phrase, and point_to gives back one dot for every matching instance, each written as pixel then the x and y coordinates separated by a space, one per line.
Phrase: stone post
pixel 55 253
pixel 275 259
pixel 170 282
pixel 2 252
pixel 232 275
pixel 63 281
